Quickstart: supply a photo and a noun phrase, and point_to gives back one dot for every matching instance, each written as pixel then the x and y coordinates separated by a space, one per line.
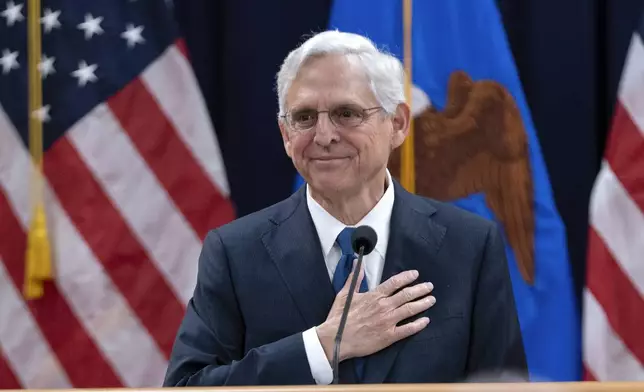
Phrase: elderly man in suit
pixel 434 301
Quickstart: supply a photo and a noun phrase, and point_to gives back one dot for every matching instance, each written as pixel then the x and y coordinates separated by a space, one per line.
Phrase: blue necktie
pixel 342 271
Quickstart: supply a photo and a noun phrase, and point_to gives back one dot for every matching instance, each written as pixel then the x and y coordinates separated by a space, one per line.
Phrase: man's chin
pixel 330 183
pixel 329 165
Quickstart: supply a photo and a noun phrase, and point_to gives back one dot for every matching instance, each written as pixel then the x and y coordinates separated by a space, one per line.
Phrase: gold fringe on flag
pixel 407 168
pixel 38 267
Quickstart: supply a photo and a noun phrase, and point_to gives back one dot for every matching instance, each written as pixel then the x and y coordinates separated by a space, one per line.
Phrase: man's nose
pixel 325 132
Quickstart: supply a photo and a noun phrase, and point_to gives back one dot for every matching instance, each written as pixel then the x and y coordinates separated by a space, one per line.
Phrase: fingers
pixel 410 293
pixel 411 309
pixel 411 328
pixel 397 282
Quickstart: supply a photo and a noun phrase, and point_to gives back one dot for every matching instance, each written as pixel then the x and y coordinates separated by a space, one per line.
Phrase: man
pixel 435 301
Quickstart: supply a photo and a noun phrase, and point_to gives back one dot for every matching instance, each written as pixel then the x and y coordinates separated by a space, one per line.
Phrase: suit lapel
pixel 295 249
pixel 414 238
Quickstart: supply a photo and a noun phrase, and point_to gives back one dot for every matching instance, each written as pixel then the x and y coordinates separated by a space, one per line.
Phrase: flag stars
pixel 46 66
pixel 50 20
pixel 13 13
pixel 9 61
pixel 85 73
pixel 42 114
pixel 133 35
pixel 91 26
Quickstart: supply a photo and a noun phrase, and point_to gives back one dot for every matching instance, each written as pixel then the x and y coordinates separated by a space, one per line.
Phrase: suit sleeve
pixel 209 347
pixel 496 345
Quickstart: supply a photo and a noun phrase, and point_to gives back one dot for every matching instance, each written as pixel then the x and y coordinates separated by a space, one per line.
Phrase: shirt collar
pixel 328 227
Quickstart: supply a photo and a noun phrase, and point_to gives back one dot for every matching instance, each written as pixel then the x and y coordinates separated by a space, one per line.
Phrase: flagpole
pixel 407 164
pixel 38 257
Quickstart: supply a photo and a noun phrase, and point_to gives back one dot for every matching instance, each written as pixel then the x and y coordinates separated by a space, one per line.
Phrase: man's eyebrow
pixel 301 107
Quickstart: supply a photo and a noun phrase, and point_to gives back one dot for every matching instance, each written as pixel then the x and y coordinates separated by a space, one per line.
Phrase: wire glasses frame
pixel 342 116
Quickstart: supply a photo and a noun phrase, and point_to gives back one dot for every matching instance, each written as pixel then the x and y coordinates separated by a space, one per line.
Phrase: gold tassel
pixel 407 164
pixel 38 266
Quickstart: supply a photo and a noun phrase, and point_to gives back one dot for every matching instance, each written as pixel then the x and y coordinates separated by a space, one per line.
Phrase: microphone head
pixel 364 236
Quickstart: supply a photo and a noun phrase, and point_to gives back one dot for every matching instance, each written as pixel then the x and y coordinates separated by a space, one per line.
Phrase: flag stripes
pixel 630 89
pixel 6 374
pixel 131 190
pixel 129 184
pixel 617 297
pixel 122 257
pixel 177 97
pixel 167 156
pixel 613 342
pixel 605 355
pixel 625 154
pixel 24 345
pixel 66 331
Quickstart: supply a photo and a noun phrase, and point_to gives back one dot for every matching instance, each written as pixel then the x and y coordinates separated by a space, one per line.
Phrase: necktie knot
pixel 344 241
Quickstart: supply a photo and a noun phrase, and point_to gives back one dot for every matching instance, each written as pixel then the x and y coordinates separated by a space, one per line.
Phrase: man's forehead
pixel 330 68
pixel 331 79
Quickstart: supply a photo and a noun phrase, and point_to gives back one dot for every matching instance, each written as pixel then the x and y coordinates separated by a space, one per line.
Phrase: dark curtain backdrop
pixel 569 54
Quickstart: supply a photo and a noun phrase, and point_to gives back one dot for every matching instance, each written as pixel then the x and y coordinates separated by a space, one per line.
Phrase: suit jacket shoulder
pixel 457 223
pixel 258 223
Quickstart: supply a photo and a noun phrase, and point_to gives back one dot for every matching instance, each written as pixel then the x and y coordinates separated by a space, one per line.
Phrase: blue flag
pixel 468 36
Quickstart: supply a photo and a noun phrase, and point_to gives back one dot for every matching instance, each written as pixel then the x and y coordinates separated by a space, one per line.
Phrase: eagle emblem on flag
pixel 477 144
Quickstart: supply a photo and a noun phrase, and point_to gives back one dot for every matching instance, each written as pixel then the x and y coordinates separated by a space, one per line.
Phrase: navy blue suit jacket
pixel 262 281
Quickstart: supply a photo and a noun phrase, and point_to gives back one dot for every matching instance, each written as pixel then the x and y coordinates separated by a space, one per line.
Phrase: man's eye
pixel 303 117
pixel 348 113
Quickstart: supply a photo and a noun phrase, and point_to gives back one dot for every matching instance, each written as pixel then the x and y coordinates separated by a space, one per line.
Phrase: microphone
pixel 363 241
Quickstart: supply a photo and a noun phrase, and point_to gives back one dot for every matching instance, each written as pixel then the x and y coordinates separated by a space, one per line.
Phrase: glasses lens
pixel 303 119
pixel 347 116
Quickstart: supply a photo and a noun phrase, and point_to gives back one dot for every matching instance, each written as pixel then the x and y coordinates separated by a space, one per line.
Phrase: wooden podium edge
pixel 464 387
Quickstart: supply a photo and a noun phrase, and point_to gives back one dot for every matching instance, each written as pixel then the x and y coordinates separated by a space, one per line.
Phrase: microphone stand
pixel 343 319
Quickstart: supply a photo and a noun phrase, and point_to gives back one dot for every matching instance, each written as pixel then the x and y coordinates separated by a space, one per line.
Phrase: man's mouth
pixel 328 158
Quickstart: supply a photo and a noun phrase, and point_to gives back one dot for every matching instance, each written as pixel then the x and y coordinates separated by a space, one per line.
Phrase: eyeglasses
pixel 344 116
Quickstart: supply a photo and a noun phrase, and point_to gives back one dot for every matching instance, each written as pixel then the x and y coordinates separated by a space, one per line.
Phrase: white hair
pixel 384 71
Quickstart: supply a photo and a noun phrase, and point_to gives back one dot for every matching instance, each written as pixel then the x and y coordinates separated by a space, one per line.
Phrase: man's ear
pixel 285 137
pixel 400 121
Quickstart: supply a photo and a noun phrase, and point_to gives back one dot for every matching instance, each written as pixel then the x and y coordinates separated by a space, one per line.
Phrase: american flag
pixel 134 180
pixel 613 346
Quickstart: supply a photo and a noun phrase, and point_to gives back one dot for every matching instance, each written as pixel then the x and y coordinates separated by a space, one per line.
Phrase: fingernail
pixel 430 286
pixel 414 274
pixel 431 300
pixel 425 320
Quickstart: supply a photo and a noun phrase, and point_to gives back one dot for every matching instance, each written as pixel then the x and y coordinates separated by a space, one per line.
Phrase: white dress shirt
pixel 328 229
